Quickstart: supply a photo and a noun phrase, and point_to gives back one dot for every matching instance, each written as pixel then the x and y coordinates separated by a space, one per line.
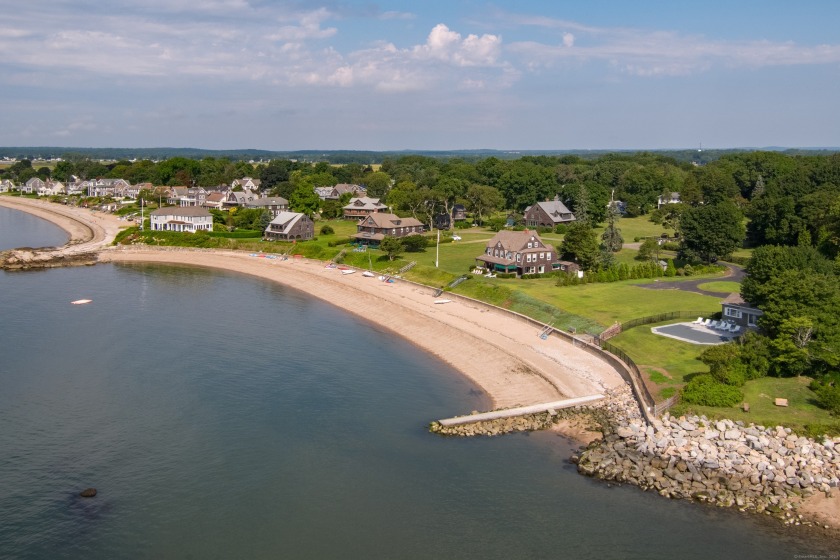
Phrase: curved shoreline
pixel 499 352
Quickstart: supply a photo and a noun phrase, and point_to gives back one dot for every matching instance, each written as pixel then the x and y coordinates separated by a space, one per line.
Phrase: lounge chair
pixel 735 330
pixel 698 321
pixel 707 322
pixel 714 324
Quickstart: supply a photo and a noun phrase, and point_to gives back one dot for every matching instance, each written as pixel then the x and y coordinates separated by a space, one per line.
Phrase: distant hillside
pixel 361 156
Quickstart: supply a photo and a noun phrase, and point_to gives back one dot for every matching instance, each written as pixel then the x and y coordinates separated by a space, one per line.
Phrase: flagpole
pixel 437 250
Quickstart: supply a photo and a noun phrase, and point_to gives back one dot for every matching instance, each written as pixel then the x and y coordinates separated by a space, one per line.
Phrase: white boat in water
pixel 81 301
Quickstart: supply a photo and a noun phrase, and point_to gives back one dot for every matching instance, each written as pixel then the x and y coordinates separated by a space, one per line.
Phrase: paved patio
pixel 691 333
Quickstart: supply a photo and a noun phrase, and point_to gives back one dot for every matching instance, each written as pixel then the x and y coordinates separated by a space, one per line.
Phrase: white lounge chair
pixel 698 321
pixel 707 322
pixel 714 325
pixel 735 330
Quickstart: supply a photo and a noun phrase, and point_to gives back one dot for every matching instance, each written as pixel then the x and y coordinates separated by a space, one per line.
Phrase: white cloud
pixel 568 40
pixel 446 45
pixel 307 27
pixel 655 53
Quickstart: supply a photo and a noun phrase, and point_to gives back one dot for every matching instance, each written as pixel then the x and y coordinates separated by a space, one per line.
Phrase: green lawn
pixel 616 301
pixel 761 393
pixel 721 286
pixel 640 226
pixel 664 361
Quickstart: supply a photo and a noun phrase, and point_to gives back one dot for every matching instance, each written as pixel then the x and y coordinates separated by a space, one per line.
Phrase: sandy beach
pixel 501 353
pixel 498 351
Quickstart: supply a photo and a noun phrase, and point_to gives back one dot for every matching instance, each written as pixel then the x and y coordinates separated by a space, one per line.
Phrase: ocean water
pixel 221 416
pixel 19 229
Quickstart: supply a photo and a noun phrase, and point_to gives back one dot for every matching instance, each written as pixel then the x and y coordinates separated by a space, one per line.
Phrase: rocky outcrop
pixel 721 462
pixel 25 259
pixel 88 493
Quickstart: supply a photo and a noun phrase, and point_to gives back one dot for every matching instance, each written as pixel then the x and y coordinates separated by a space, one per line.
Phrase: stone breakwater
pixel 25 259
pixel 722 462
pixel 619 406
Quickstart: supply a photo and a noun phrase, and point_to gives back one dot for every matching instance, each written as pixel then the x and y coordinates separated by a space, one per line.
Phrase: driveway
pixel 734 273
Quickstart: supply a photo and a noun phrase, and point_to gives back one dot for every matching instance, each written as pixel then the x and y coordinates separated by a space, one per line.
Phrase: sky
pixel 420 75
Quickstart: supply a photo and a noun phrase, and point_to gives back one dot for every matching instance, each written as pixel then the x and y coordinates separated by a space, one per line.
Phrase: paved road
pixel 734 273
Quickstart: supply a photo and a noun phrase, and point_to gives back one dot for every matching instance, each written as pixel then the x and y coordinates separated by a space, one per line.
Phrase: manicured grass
pixel 455 257
pixel 615 301
pixel 761 393
pixel 653 353
pixel 640 226
pixel 742 252
pixel 721 286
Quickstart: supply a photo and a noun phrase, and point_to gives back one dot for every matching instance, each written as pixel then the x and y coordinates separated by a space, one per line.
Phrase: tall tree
pixel 305 200
pixel 611 239
pixel 481 200
pixel 580 244
pixel 711 232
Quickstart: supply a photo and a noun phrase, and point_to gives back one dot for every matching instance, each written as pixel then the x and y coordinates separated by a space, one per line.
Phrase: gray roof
pixel 181 211
pixel 554 208
pixel 267 201
pixel 286 219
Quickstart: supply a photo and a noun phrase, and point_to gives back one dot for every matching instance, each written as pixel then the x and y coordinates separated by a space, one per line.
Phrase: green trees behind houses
pixel 711 232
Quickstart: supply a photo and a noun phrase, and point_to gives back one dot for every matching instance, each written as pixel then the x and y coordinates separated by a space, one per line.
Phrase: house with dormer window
pixel 518 252
pixel 359 207
pixel 548 214
pixel 373 228
pixel 288 226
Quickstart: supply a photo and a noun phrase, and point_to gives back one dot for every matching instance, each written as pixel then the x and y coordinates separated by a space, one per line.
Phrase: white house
pixel 51 188
pixel 32 185
pixel 6 185
pixel 182 218
pixel 669 198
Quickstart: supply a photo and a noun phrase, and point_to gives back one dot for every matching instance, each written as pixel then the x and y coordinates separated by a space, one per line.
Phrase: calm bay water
pixel 221 416
pixel 19 229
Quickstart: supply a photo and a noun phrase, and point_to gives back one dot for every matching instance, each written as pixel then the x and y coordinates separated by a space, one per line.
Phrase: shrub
pixel 704 390
pixel 463 224
pixel 496 224
pixel 239 234
pixel 415 243
pixel 327 229
pixel 343 241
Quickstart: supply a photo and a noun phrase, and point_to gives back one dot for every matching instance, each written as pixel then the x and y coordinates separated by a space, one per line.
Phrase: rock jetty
pixel 720 462
pixel 725 463
pixel 26 259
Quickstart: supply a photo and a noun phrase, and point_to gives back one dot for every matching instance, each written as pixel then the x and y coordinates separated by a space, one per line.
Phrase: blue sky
pixel 437 75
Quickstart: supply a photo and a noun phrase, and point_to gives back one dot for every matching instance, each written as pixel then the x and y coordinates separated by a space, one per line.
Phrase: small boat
pixel 440 301
pixel 368 274
pixel 81 301
pixel 348 271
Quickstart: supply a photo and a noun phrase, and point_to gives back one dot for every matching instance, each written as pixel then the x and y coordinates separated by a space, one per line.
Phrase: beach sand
pixel 500 353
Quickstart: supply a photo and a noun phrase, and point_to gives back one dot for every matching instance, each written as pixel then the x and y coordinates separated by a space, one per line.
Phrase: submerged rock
pixel 88 493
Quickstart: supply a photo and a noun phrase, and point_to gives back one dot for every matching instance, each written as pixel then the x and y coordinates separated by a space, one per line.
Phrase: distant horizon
pixel 418 150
